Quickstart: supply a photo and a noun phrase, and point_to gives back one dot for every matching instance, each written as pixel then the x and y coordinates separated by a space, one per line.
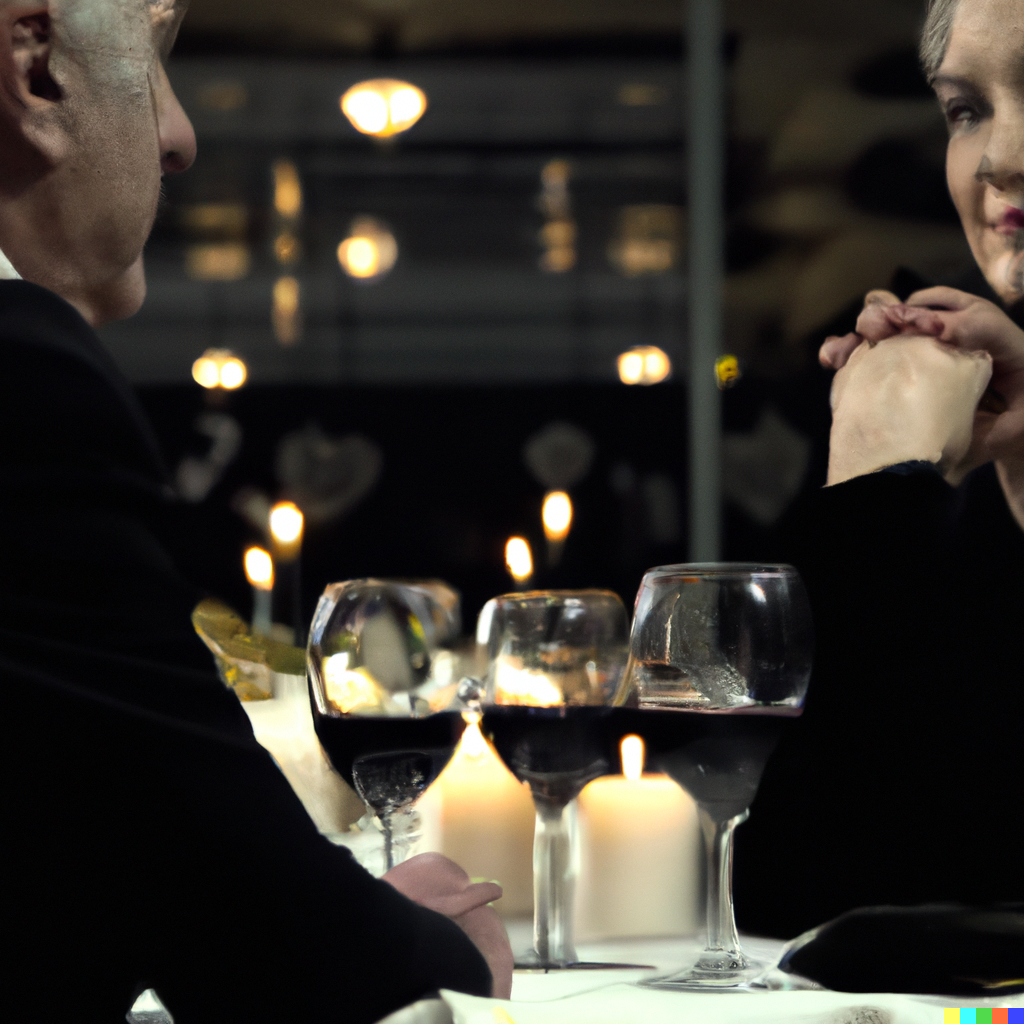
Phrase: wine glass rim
pixel 557 595
pixel 720 570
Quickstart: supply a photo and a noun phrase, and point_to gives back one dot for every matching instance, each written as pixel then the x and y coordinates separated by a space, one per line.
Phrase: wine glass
pixel 720 657
pixel 385 706
pixel 555 662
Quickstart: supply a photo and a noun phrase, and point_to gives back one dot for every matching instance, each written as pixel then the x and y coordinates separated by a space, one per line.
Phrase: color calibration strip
pixel 984 1015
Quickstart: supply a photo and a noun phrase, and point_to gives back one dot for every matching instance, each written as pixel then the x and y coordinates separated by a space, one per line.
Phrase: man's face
pixel 125 130
pixel 980 86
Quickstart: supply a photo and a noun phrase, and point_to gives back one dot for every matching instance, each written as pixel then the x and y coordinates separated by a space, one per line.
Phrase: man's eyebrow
pixel 955 81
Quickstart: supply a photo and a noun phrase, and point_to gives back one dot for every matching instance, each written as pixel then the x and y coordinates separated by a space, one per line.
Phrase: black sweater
pixel 149 840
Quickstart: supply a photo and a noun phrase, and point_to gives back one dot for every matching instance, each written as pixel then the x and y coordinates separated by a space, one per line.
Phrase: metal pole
pixel 706 163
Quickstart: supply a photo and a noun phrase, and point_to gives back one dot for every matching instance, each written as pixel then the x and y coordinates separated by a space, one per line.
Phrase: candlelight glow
pixel 472 744
pixel 287 189
pixel 285 316
pixel 369 251
pixel 348 689
pixel 219 368
pixel 217 261
pixel 259 568
pixel 383 106
pixel 286 522
pixel 644 364
pixel 520 686
pixel 631 751
pixel 557 515
pixel 518 559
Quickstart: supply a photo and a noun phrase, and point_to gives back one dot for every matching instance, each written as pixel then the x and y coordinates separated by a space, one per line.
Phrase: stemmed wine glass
pixel 386 715
pixel 720 657
pixel 555 662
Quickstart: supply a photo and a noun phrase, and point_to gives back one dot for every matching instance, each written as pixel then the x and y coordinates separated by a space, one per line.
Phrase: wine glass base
pixel 714 974
pixel 532 963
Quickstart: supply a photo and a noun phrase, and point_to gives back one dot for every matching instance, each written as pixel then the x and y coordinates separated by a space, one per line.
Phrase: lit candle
pixel 486 820
pixel 259 570
pixel 286 526
pixel 640 871
pixel 556 515
pixel 519 561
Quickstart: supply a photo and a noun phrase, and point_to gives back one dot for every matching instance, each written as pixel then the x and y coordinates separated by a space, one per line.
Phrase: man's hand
pixel 905 398
pixel 440 884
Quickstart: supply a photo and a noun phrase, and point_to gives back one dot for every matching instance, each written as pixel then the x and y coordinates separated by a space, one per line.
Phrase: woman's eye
pixel 960 114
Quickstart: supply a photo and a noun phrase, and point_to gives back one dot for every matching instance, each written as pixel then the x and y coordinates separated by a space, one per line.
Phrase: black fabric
pixel 900 783
pixel 149 841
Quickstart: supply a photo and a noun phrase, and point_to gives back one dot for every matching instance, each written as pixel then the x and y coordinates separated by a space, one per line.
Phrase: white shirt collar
pixel 7 272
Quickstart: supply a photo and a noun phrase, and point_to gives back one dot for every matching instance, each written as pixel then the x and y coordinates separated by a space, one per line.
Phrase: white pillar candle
pixel 640 868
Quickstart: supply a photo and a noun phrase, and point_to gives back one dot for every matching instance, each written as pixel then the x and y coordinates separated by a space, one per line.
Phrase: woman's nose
pixel 177 137
pixel 1002 165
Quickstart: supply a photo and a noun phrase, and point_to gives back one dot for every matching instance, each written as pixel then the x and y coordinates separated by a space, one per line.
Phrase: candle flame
pixel 473 744
pixel 557 515
pixel 514 685
pixel 259 568
pixel 631 750
pixel 286 522
pixel 518 559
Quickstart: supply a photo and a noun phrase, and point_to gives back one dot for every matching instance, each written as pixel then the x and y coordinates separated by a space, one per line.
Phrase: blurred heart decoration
pixel 559 455
pixel 326 476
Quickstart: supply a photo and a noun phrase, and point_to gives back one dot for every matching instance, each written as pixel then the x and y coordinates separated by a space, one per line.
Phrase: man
pixel 149 840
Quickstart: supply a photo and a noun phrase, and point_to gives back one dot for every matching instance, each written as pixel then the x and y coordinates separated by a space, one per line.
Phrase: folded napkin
pixel 440 884
pixel 943 950
pixel 628 1004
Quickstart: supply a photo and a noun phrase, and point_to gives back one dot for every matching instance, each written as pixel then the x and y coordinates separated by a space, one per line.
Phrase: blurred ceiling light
pixel 286 523
pixel 555 174
pixel 217 261
pixel 287 248
pixel 225 220
pixel 642 94
pixel 219 368
pixel 285 316
pixel 647 241
pixel 558 260
pixel 558 234
pixel 556 515
pixel 259 568
pixel 518 559
pixel 223 97
pixel 383 106
pixel 727 371
pixel 644 364
pixel 370 250
pixel 631 754
pixel 287 189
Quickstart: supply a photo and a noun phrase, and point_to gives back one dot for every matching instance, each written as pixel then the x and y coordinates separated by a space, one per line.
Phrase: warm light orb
pixel 219 368
pixel 631 751
pixel 556 514
pixel 287 189
pixel 259 568
pixel 644 364
pixel 383 106
pixel 518 559
pixel 369 251
pixel 286 522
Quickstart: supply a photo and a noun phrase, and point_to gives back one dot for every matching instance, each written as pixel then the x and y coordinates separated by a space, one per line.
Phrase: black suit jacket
pixel 149 840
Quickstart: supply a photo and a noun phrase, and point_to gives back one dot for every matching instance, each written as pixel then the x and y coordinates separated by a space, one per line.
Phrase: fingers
pixel 881 297
pixel 834 353
pixel 947 298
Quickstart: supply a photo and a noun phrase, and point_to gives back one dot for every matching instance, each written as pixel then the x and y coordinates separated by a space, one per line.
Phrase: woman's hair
pixel 935 36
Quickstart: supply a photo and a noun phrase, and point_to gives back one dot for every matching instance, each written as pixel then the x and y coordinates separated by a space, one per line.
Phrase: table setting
pixel 562 690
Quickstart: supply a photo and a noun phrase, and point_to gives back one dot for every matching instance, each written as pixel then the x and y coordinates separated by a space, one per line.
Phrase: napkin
pixel 629 1004
pixel 440 884
pixel 944 950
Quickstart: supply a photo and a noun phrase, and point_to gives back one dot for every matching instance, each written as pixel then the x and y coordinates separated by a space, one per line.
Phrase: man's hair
pixel 938 25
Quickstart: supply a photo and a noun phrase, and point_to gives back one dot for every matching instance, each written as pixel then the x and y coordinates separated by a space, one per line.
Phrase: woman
pixel 899 784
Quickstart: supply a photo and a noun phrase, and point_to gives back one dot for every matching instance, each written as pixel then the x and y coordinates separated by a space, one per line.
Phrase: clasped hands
pixel 909 382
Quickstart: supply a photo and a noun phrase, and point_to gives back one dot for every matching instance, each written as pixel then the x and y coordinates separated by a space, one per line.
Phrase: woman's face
pixel 980 86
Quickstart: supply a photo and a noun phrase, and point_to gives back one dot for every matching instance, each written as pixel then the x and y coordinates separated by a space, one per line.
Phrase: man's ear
pixel 25 56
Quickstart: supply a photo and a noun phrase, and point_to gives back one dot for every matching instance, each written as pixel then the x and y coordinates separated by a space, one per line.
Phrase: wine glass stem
pixel 554 882
pixel 388 828
pixel 721 920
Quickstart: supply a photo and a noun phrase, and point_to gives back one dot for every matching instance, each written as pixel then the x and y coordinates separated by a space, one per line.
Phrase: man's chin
pixel 120 298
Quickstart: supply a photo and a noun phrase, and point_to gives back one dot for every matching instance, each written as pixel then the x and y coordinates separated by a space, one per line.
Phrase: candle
pixel 519 561
pixel 641 868
pixel 286 523
pixel 259 571
pixel 485 821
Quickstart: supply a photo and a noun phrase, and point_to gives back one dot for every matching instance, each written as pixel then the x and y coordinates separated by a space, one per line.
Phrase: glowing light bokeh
pixel 518 558
pixel 259 568
pixel 556 514
pixel 644 364
pixel 383 106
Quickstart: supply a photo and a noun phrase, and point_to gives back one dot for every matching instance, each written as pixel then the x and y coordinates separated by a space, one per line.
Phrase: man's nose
pixel 177 137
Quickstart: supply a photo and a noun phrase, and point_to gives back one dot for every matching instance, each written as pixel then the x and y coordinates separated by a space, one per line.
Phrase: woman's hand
pixel 440 884
pixel 905 398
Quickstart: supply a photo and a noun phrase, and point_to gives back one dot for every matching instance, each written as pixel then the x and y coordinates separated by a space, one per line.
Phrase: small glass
pixel 385 704
pixel 720 658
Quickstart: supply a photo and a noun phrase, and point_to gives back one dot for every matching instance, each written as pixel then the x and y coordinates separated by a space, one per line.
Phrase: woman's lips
pixel 1011 222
